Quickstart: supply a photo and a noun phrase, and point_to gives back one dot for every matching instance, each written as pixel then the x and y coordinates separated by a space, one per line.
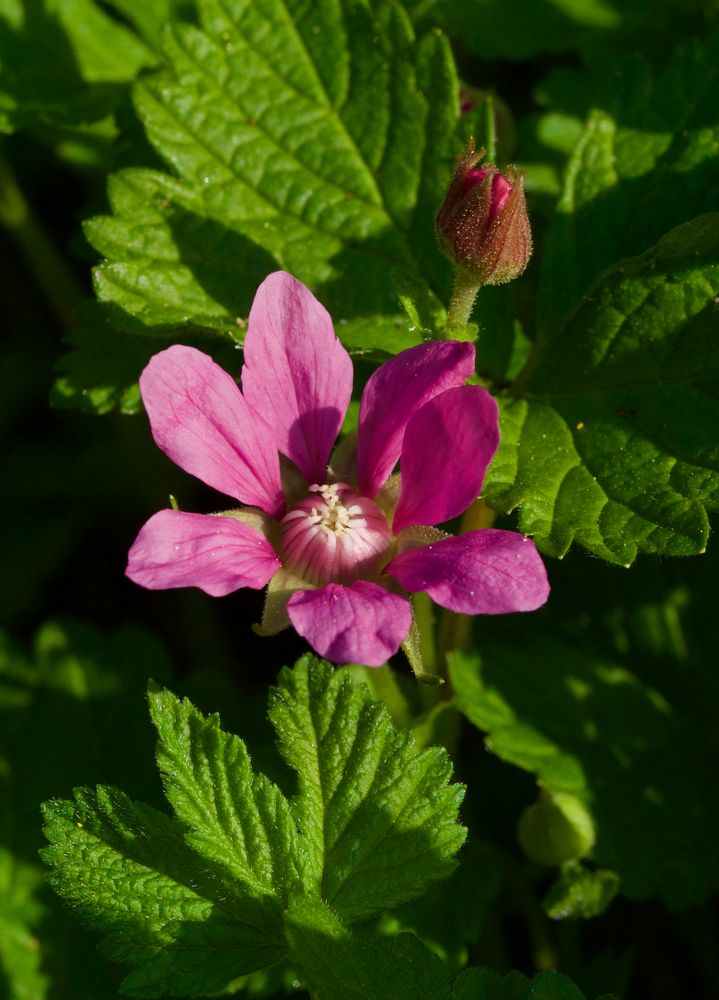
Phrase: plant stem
pixel 50 271
pixel 490 130
pixel 462 302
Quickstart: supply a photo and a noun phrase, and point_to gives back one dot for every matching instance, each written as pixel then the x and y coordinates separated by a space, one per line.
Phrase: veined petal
pixel 200 420
pixel 488 572
pixel 393 393
pixel 296 374
pixel 217 554
pixel 362 623
pixel 448 444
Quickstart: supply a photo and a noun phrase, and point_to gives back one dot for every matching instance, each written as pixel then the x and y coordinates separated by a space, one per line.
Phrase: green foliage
pixel 615 444
pixel 64 717
pixel 644 164
pixel 593 732
pixel 581 893
pixel 335 178
pixel 367 803
pixel 495 30
pixel 340 965
pixel 196 901
pixel 483 984
pixel 63 62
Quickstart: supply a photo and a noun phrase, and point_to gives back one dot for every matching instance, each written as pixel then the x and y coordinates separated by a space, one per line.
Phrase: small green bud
pixel 556 829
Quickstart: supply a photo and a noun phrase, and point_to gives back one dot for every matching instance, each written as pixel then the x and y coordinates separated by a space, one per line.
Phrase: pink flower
pixel 340 546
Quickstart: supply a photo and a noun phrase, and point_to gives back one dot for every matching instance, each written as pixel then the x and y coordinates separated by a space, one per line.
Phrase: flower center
pixel 334 536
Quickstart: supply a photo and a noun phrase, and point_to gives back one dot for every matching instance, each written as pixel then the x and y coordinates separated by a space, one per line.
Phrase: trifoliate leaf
pixel 313 138
pixel 377 819
pixel 198 901
pixel 340 965
pixel 615 443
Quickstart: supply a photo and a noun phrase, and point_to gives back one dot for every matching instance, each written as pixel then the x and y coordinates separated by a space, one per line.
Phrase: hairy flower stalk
pixel 341 552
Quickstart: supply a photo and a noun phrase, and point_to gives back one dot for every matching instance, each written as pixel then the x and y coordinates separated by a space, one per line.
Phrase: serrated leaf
pixel 588 728
pixel 197 901
pixel 614 445
pixel 341 965
pixel 126 868
pixel 368 804
pixel 644 164
pixel 316 138
pixel 235 818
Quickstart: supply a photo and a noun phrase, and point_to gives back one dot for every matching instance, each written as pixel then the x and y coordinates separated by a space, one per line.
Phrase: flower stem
pixel 490 129
pixel 462 302
pixel 50 271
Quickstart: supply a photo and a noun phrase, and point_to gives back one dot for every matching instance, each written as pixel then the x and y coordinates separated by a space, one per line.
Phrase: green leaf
pixel 581 892
pixel 341 965
pixel 197 901
pixel 21 973
pixel 589 729
pixel 313 138
pixel 644 164
pixel 494 30
pixel 234 818
pixel 378 820
pixel 63 62
pixel 600 28
pixel 126 868
pixel 614 445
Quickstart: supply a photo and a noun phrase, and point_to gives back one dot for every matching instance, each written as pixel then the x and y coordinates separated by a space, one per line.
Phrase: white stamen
pixel 334 535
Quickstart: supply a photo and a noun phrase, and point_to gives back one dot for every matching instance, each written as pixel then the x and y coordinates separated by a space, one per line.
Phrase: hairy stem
pixel 462 302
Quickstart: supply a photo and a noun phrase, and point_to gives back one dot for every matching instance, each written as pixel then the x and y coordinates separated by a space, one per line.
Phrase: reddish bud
pixel 482 225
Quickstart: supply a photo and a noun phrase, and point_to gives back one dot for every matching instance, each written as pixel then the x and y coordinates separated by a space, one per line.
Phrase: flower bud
pixel 482 225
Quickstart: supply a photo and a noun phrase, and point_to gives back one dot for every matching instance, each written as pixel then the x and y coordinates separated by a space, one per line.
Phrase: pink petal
pixel 362 623
pixel 392 395
pixel 489 572
pixel 296 374
pixel 217 554
pixel 447 447
pixel 200 420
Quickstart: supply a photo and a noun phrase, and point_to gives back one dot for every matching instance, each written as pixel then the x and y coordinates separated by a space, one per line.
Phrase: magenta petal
pixel 392 395
pixel 362 623
pixel 296 374
pixel 489 572
pixel 447 447
pixel 217 554
pixel 200 420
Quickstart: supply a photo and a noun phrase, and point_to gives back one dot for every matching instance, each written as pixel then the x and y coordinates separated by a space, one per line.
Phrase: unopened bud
pixel 482 225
